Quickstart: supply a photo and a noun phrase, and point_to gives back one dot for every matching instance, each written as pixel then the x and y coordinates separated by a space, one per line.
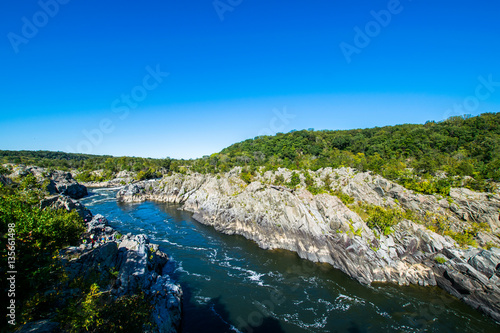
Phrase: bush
pixel 148 174
pixel 97 311
pixel 439 260
pixel 294 180
pixel 38 236
pixel 246 177
pixel 279 180
pixel 346 199
pixel 379 218
pixel 4 171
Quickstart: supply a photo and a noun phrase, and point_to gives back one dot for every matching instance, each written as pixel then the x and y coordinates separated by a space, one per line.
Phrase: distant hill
pixel 84 162
pixel 461 147
pixel 415 155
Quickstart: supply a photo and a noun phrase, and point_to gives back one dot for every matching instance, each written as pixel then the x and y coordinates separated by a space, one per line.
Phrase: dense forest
pixel 428 158
pixel 145 167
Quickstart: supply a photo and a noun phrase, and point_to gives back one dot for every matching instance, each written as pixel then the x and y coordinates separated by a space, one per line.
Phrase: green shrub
pixel 38 236
pixel 308 179
pixel 4 171
pixel 439 260
pixel 294 180
pixel 246 177
pixel 316 190
pixel 97 311
pixel 346 199
pixel 279 180
pixel 147 174
pixel 379 218
pixel 464 239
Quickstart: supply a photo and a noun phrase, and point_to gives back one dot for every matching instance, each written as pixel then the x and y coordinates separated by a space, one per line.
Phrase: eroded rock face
pixel 59 182
pixel 5 180
pixel 476 207
pixel 138 264
pixel 64 202
pixel 63 183
pixel 472 276
pixel 120 179
pixel 321 228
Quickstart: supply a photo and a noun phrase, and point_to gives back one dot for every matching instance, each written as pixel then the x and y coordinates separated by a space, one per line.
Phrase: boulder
pixel 486 262
pixel 64 202
pixel 63 183
pixel 5 180
pixel 139 266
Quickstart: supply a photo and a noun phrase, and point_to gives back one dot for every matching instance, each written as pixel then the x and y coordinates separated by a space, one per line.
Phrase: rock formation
pixel 120 179
pixel 63 202
pixel 55 181
pixel 138 264
pixel 322 228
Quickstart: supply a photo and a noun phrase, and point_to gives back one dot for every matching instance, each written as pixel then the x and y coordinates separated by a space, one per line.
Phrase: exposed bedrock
pixel 322 228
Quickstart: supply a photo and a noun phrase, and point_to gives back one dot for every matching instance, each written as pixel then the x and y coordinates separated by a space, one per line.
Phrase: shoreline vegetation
pixel 402 204
pixel 73 272
pixel 462 151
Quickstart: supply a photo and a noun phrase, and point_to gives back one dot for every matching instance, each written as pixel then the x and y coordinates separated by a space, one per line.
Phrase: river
pixel 231 285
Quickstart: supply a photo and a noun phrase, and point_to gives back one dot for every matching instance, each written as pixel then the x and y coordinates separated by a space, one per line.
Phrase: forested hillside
pixel 414 155
pixel 429 158
pixel 145 167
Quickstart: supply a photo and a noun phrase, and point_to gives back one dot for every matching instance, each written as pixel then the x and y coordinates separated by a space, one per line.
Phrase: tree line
pixel 428 158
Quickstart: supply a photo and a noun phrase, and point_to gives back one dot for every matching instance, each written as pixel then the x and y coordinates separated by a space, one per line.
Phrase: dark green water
pixel 231 285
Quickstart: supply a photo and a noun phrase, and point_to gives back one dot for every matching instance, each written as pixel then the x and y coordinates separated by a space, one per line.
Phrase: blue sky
pixel 187 78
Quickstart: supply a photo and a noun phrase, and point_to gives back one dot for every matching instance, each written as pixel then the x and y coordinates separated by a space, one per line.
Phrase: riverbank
pixel 124 267
pixel 106 282
pixel 323 228
pixel 228 280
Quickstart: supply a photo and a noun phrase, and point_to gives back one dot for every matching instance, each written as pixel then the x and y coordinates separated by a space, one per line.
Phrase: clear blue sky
pixel 77 77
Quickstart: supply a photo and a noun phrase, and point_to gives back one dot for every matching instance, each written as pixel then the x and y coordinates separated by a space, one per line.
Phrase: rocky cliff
pixel 323 228
pixel 54 181
pixel 139 265
pixel 120 179
pixel 124 265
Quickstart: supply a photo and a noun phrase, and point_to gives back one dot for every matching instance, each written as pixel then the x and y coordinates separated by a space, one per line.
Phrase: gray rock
pixel 64 202
pixel 486 262
pixel 167 304
pixel 63 183
pixel 5 180
pixel 59 182
pixel 321 228
pixel 41 326
pixel 140 266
